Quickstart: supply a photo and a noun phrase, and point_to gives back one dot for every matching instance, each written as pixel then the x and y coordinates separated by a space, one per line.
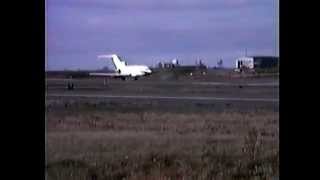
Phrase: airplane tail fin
pixel 116 61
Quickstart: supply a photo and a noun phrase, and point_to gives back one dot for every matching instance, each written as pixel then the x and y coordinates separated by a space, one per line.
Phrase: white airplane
pixel 123 70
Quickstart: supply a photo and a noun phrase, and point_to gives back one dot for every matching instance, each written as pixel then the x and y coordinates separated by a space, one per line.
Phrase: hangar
pixel 253 62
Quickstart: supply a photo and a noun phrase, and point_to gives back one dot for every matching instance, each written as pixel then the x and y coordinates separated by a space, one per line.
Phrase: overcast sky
pixel 149 31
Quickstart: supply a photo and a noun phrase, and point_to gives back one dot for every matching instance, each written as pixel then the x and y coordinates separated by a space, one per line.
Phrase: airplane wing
pixel 107 74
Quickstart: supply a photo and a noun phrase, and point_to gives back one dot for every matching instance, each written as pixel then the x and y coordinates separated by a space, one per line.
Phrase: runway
pixel 203 83
pixel 198 98
pixel 235 84
pixel 193 95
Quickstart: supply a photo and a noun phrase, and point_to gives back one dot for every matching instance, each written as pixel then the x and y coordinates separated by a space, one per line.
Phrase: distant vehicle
pixel 123 70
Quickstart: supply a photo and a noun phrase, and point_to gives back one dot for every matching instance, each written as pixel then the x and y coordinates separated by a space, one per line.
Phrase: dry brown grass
pixel 155 145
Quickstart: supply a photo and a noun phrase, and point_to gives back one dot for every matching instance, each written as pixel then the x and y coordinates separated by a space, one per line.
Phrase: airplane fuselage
pixel 134 70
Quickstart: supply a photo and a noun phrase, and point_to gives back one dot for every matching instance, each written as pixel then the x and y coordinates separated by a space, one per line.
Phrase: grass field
pixel 100 143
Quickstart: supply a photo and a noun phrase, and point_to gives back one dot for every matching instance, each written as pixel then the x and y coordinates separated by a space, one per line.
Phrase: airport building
pixel 168 65
pixel 253 62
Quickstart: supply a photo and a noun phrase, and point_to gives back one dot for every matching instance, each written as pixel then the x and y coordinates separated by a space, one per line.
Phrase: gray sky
pixel 149 31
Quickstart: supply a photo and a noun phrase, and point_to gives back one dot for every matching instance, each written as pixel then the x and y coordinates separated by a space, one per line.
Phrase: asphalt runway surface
pixel 254 94
pixel 196 98
pixel 173 89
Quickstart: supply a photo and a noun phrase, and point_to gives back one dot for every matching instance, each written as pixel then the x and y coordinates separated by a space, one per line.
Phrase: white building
pixel 245 62
pixel 253 62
